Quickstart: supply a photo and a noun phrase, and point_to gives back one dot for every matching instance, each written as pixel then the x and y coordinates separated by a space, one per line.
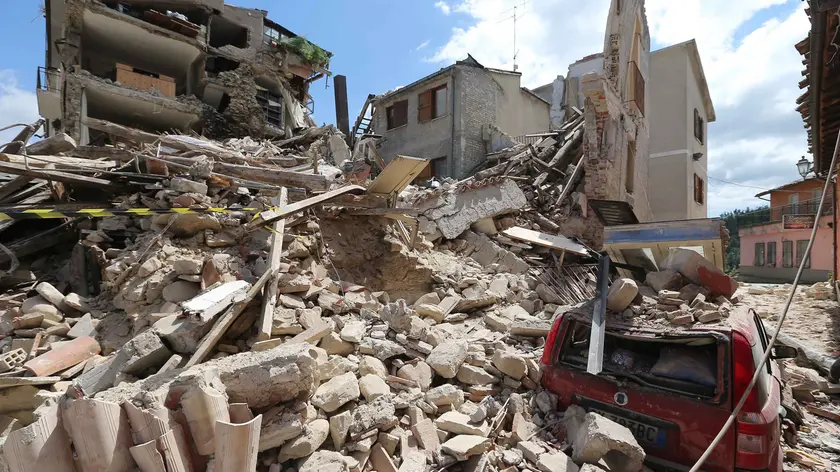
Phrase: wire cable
pixel 782 317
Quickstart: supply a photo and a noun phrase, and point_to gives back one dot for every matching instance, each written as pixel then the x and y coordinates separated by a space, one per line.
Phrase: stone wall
pixel 476 94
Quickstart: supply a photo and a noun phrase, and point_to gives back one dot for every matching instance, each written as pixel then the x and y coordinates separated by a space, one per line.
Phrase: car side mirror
pixel 784 352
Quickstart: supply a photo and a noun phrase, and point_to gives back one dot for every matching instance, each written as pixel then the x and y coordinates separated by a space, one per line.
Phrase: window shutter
pixel 424 109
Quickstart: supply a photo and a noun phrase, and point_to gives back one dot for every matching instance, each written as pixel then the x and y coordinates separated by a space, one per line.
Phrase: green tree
pixel 735 220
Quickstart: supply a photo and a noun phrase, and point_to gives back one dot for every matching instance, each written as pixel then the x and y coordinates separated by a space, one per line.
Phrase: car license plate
pixel 644 433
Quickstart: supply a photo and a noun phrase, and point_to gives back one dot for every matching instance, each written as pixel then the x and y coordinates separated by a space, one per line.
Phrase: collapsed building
pixel 589 135
pixel 184 65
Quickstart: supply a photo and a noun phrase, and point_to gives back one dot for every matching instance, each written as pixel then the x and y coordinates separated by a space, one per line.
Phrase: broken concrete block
pixel 709 317
pixel 339 427
pixel 446 394
pixel 50 293
pixel 180 290
pixel 414 461
pixel 531 327
pixel 325 461
pixel 209 304
pixel 522 429
pixel 334 366
pixel 446 359
pixel 472 375
pixel 37 304
pixel 149 267
pixel 381 460
pixel 420 373
pixel 372 386
pixel 333 394
pixel 375 414
pixel 353 331
pixel 12 359
pixel 434 312
pixel 372 365
pixel 682 319
pixel 182 185
pixel 458 423
pixel 530 450
pixel 314 434
pixel 333 344
pixel 279 428
pixel 559 462
pixel 510 364
pixel 144 351
pixel 621 294
pixel 464 446
pixel 426 435
pixel 182 334
pixel 667 279
pixel 700 271
pixel 83 327
pixel 601 438
pixel 186 265
pixel 258 378
pixel 383 349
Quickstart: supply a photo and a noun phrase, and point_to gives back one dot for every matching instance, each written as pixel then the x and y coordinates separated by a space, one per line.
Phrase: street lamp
pixel 803 166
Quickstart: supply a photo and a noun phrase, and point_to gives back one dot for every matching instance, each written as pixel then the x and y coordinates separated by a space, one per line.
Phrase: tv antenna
pixel 515 18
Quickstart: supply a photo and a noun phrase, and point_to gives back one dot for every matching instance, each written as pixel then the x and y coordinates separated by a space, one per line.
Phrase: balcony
pixel 49 93
pixel 635 88
pixel 774 215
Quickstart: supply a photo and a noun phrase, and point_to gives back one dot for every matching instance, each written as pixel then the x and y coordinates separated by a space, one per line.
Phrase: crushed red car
pixel 674 388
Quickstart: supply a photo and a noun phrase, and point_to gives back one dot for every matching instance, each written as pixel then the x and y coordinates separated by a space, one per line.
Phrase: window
pixel 432 104
pixel 699 189
pixel 816 194
pixel 801 247
pixel 759 255
pixel 397 114
pixel 630 177
pixel 787 253
pixel 771 254
pixel 793 202
pixel 699 126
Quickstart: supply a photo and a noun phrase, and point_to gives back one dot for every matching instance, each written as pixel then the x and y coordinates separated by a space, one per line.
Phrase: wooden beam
pixel 61 162
pixel 561 243
pixel 13 186
pixel 316 183
pixel 58 176
pixel 269 301
pixel 826 5
pixel 120 131
pixel 224 322
pixel 302 205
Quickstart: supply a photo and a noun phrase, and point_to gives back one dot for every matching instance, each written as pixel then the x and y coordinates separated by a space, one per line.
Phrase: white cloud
pixel 444 7
pixel 422 45
pixel 752 70
pixel 16 105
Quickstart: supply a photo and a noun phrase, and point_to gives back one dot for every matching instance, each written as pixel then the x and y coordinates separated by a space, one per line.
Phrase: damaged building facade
pixel 183 65
pixel 450 116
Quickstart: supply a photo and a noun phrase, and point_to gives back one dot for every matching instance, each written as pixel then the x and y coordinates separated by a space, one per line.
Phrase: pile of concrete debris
pixel 180 333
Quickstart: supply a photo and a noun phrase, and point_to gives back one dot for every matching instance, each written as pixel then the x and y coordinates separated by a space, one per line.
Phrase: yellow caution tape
pixel 59 212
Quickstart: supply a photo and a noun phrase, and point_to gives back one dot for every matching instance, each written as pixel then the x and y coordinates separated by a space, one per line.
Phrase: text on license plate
pixel 643 432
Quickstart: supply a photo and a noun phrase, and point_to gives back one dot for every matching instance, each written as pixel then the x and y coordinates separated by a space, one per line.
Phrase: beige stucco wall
pixel 674 95
pixel 517 112
pixel 428 140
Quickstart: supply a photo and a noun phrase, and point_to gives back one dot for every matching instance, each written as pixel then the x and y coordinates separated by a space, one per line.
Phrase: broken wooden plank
pixel 576 136
pixel 316 183
pixel 39 242
pixel 270 298
pixel 823 413
pixel 120 131
pixel 13 186
pixel 61 162
pixel 54 144
pixel 560 243
pixel 226 320
pixel 382 211
pixel 309 336
pixel 287 210
pixel 58 176
pixel 6 382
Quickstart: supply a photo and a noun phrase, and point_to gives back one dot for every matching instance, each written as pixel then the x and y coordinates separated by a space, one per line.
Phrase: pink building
pixel 771 253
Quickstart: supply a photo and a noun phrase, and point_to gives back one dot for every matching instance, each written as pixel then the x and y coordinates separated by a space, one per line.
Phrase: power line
pixel 752 186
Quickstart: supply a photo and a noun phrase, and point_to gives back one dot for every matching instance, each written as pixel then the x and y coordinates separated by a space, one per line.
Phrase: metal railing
pixel 49 79
pixel 776 214
pixel 637 87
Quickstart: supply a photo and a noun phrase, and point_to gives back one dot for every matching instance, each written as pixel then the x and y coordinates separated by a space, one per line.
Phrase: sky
pixel 746 46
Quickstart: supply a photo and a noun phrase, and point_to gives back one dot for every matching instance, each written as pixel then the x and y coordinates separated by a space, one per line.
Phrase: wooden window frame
pixel 699 190
pixel 391 114
pixel 760 255
pixel 787 250
pixel 799 255
pixel 699 127
pixel 427 105
pixel 770 254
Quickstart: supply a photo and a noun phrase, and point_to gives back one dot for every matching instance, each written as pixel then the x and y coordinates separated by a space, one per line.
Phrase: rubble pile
pixel 302 337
